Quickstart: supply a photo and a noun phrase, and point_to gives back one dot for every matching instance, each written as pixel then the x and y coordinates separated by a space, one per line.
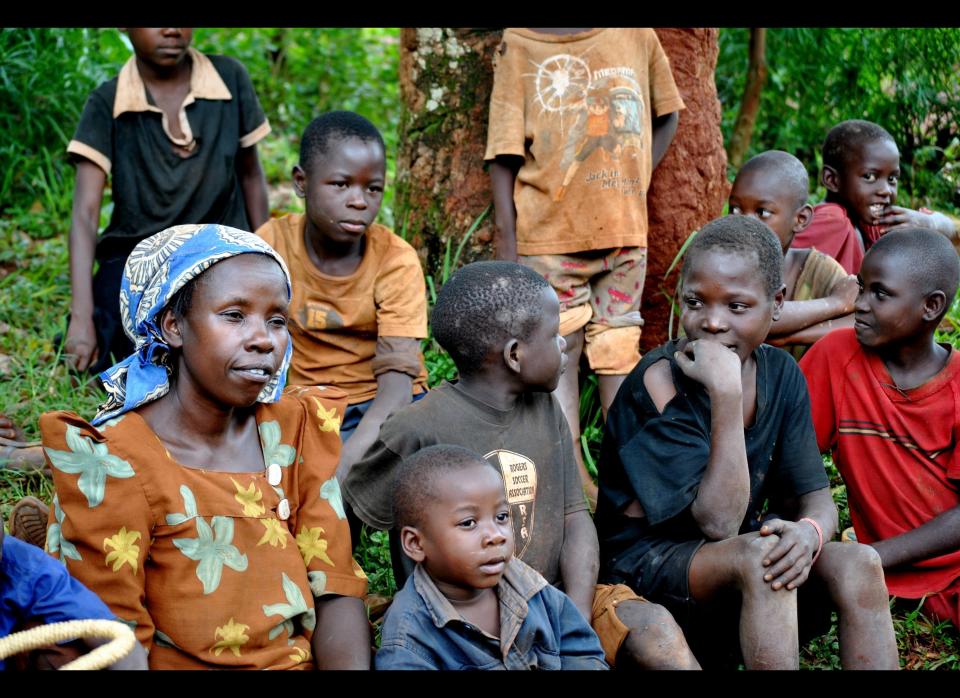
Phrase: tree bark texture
pixel 750 104
pixel 690 186
pixel 446 76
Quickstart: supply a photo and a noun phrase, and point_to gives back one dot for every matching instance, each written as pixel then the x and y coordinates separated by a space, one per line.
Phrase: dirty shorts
pixel 601 291
pixel 610 629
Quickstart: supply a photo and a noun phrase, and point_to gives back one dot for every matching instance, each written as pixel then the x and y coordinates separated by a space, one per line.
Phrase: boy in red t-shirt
pixel 861 169
pixel 885 398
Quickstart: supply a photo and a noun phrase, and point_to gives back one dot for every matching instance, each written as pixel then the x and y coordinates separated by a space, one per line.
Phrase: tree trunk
pixel 750 104
pixel 690 186
pixel 443 188
pixel 446 76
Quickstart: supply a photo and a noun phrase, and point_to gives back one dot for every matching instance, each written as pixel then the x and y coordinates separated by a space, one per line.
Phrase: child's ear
pixel 170 329
pixel 778 302
pixel 803 218
pixel 299 181
pixel 412 543
pixel 830 178
pixel 933 305
pixel 511 354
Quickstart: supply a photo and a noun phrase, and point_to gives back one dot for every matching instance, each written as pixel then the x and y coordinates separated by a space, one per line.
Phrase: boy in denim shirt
pixel 469 604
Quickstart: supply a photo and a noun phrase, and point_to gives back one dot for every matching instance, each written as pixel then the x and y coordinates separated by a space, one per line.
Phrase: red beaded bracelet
pixel 819 537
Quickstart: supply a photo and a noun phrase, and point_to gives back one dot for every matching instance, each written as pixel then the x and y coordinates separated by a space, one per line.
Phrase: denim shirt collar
pixel 517 586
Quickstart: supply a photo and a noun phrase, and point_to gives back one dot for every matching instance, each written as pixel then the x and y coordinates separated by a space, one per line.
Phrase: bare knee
pixel 655 640
pixel 853 574
pixel 748 556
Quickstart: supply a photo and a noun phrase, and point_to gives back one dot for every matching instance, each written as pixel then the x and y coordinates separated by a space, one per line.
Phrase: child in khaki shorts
pixel 579 118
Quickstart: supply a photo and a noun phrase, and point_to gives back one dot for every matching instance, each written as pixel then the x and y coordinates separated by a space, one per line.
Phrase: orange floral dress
pixel 212 569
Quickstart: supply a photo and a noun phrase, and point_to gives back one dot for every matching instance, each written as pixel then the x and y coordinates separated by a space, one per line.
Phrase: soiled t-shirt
pixel 896 449
pixel 579 109
pixel 335 321
pixel 660 458
pixel 530 443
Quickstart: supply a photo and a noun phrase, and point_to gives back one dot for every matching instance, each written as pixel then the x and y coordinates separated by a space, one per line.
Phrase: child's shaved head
pixel 416 479
pixel 482 306
pixel 785 168
pixel 927 256
pixel 847 138
pixel 334 126
pixel 741 235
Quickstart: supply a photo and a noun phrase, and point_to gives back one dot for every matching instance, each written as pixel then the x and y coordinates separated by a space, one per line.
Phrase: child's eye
pixel 692 302
pixel 735 210
pixel 233 315
pixel 339 185
pixel 764 213
pixel 503 516
pixel 738 307
pixel 279 321
pixel 467 523
pixel 376 189
pixel 894 179
pixel 870 177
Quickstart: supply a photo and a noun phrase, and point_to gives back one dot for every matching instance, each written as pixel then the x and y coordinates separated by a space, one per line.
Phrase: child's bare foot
pixel 9 430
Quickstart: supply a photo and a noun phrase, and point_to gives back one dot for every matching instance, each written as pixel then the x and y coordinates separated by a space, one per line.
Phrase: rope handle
pixel 121 642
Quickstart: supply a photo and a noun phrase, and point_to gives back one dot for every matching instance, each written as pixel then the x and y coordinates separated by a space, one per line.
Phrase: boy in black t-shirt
pixel 500 323
pixel 702 434
pixel 176 131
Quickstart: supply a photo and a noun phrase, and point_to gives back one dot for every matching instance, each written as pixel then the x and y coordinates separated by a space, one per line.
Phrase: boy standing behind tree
pixel 579 118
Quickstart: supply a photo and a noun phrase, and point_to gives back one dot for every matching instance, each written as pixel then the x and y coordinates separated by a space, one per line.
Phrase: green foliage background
pixel 905 79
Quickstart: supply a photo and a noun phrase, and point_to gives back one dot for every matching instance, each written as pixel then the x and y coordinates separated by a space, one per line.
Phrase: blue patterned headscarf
pixel 157 268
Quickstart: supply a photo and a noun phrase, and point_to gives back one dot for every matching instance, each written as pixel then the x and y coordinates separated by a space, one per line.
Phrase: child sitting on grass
pixel 886 400
pixel 772 187
pixel 201 503
pixel 713 497
pixel 861 170
pixel 500 323
pixel 359 307
pixel 175 132
pixel 36 588
pixel 469 604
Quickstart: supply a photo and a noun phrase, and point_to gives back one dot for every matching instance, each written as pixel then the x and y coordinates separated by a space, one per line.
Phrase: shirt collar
pixel 519 584
pixel 205 83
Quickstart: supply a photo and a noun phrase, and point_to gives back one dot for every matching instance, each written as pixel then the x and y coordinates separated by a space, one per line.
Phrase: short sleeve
pixel 574 499
pixel 664 460
pixel 319 522
pixel 815 366
pixel 400 294
pixel 800 468
pixel 93 138
pixel 505 123
pixel 829 270
pixel 253 122
pixel 369 483
pixel 664 96
pixel 101 522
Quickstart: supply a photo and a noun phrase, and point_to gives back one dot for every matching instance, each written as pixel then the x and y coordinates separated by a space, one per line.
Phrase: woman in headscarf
pixel 201 503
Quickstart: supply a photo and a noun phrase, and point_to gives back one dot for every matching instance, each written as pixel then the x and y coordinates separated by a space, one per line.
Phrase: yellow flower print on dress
pixel 329 421
pixel 301 655
pixel 276 533
pixel 312 545
pixel 233 637
pixel 125 552
pixel 249 498
pixel 358 570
